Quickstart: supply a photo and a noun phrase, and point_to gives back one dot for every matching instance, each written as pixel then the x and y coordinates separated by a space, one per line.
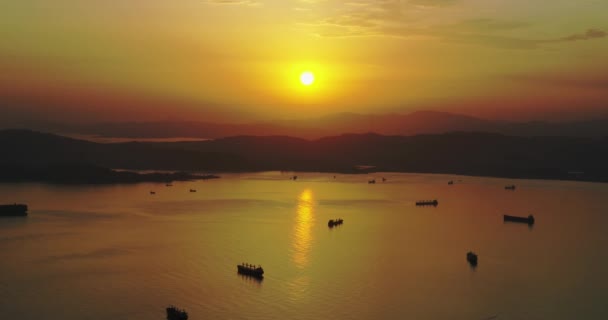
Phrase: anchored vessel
pixel 472 258
pixel 250 270
pixel 13 210
pixel 529 219
pixel 332 223
pixel 427 203
pixel 173 313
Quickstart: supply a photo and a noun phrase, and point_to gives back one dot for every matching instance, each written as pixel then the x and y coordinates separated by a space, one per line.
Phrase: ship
pixel 332 223
pixel 529 219
pixel 250 270
pixel 192 190
pixel 427 203
pixel 174 313
pixel 511 187
pixel 472 258
pixel 13 210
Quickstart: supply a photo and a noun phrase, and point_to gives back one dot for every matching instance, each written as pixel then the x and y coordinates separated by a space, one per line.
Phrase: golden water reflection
pixel 302 235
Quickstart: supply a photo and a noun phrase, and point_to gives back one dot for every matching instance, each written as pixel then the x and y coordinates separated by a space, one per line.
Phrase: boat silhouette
pixel 427 203
pixel 250 270
pixel 472 258
pixel 13 210
pixel 333 223
pixel 529 219
pixel 174 313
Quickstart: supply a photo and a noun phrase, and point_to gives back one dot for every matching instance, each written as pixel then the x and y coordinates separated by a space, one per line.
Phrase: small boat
pixel 383 179
pixel 13 210
pixel 250 270
pixel 169 185
pixel 472 258
pixel 427 203
pixel 511 187
pixel 294 178
pixel 529 219
pixel 451 182
pixel 192 190
pixel 373 181
pixel 333 223
pixel 174 313
pixel 152 192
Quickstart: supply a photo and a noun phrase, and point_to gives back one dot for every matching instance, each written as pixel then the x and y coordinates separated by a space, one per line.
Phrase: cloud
pixel 584 80
pixel 235 2
pixel 433 3
pixel 589 35
pixel 402 18
pixel 490 24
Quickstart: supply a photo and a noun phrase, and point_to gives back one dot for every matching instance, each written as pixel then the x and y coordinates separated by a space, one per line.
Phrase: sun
pixel 307 78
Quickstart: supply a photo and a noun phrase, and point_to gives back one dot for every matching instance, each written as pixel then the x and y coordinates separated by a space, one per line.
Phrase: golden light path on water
pixel 302 235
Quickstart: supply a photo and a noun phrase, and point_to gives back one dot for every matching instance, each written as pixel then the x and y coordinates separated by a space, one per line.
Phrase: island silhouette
pixel 35 156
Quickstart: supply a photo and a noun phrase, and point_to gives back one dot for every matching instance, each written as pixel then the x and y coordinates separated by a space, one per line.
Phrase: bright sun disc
pixel 307 78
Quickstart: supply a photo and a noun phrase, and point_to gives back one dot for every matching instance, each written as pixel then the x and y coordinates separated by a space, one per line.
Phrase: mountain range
pixel 416 123
pixel 467 153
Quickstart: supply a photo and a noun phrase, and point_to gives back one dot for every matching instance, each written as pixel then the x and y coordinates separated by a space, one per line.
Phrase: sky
pixel 85 61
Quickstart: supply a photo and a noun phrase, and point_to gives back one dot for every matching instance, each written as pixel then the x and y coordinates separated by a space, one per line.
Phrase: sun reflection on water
pixel 302 235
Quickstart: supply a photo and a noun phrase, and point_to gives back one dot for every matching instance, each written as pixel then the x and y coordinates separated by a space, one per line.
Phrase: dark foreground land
pixel 28 155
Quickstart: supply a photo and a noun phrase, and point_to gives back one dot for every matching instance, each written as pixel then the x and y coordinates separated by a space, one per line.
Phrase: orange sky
pixel 236 61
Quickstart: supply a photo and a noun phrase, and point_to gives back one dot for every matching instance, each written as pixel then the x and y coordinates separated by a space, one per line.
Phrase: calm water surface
pixel 117 252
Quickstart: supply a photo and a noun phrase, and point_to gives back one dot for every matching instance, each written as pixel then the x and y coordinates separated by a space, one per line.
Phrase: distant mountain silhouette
pixel 421 122
pixel 485 154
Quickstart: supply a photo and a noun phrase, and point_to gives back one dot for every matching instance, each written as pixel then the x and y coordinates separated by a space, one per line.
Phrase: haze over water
pixel 117 252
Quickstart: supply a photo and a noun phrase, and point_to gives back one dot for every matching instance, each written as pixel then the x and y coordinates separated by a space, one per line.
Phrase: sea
pixel 102 252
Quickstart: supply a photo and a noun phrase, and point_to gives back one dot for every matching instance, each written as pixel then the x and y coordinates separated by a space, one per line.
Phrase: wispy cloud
pixel 395 18
pixel 593 81
pixel 433 3
pixel 235 2
pixel 588 35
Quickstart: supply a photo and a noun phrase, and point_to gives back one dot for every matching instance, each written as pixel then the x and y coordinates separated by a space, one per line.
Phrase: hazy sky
pixel 93 60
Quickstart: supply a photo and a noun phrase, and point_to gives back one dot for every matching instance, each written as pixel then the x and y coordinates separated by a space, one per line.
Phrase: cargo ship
pixel 250 270
pixel 427 203
pixel 529 219
pixel 334 223
pixel 173 313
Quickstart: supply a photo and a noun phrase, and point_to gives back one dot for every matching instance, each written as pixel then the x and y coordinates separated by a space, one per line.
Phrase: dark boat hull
pixel 427 203
pixel 472 258
pixel 13 210
pixel 333 223
pixel 527 220
pixel 254 272
pixel 174 313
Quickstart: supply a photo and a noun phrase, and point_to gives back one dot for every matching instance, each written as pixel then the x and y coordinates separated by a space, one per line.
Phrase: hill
pixel 485 154
pixel 416 123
